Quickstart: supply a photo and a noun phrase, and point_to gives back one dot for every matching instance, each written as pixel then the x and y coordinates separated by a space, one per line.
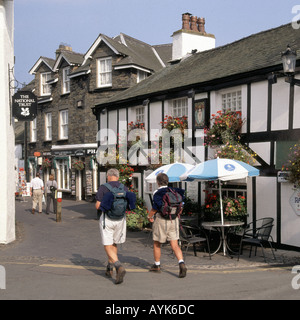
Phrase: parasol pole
pixel 222 219
pixel 221 202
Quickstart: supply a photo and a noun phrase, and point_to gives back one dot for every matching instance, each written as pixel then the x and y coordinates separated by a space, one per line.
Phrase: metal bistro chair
pixel 189 235
pixel 257 236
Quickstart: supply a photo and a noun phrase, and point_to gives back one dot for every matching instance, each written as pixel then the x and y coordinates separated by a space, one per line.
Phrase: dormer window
pixel 45 87
pixel 141 75
pixel 104 67
pixel 66 80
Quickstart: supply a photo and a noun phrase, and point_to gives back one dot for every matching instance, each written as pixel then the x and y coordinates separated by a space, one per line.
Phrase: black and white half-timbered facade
pixel 245 76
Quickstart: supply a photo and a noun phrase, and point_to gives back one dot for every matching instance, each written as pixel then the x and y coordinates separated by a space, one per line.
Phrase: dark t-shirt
pixel 102 189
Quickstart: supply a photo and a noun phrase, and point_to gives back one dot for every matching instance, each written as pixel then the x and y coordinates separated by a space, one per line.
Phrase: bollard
pixel 58 210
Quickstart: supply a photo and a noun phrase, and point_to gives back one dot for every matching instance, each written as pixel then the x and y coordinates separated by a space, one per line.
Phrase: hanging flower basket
pixel 46 164
pixel 292 166
pixel 78 165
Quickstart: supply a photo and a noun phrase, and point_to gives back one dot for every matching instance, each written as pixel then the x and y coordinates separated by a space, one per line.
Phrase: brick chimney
pixel 191 37
pixel 63 47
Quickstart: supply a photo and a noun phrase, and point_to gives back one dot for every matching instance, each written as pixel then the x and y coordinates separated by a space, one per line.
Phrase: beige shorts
pixel 165 229
pixel 114 231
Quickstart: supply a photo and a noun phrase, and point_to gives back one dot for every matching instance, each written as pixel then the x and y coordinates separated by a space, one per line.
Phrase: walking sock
pixel 117 264
pixel 180 261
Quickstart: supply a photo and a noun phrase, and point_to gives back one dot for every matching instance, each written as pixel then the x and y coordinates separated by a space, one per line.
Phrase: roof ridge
pixel 137 40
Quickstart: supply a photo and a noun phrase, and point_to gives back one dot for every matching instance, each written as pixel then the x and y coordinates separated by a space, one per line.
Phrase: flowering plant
pixel 293 165
pixel 46 163
pixel 136 125
pixel 236 151
pixel 78 165
pixel 235 207
pixel 125 174
pixel 232 208
pixel 226 127
pixel 137 218
pixel 171 123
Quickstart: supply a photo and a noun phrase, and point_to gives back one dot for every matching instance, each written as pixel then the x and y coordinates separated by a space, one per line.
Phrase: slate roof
pixel 248 55
pixel 136 52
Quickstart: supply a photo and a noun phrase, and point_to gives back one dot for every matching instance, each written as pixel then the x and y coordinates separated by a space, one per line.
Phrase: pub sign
pixel 24 106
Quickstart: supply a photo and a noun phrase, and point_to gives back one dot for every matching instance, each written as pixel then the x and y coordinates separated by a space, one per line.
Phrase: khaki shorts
pixel 165 229
pixel 114 231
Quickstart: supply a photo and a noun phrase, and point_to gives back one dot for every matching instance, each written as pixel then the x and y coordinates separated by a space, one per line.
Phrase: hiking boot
pixel 182 270
pixel 155 268
pixel 120 274
pixel 109 271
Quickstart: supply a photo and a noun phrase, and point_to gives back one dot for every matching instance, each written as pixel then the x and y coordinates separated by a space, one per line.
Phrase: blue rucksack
pixel 119 205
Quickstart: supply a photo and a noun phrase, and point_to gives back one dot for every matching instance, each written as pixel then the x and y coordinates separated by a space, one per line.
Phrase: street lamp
pixel 289 65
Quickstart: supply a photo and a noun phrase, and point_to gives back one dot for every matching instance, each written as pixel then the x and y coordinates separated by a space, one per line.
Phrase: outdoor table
pixel 223 235
pixel 189 219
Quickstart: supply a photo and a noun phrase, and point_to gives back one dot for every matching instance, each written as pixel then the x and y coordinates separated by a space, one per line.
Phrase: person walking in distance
pixel 51 187
pixel 166 224
pixel 112 199
pixel 36 192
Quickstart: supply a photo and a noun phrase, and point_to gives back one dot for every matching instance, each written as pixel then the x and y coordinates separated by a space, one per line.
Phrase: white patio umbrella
pixel 174 171
pixel 222 170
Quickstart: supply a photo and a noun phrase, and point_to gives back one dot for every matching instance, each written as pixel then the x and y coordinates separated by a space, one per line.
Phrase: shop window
pixel 63 174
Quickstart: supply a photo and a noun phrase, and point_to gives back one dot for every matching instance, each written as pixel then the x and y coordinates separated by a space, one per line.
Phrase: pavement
pixel 76 240
pixel 74 244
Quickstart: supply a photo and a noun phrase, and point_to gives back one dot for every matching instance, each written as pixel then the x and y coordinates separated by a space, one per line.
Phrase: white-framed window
pixel 232 101
pixel 66 80
pixel 179 107
pixel 44 86
pixel 141 75
pixel 63 174
pixel 33 133
pixel 48 126
pixel 63 124
pixel 140 114
pixel 104 72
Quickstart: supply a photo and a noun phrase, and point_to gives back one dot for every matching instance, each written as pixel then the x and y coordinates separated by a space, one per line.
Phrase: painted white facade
pixel 7 145
pixel 184 41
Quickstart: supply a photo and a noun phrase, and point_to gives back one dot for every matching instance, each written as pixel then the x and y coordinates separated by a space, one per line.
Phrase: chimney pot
pixel 186 21
pixel 201 25
pixel 194 23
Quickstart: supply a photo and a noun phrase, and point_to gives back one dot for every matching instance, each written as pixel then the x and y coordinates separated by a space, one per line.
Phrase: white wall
pixel 280 105
pixel 186 41
pixel 290 222
pixel 7 145
pixel 259 106
pixel 266 200
pixel 296 124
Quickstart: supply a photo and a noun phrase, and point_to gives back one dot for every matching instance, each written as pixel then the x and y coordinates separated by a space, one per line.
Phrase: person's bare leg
pixel 178 254
pixel 112 254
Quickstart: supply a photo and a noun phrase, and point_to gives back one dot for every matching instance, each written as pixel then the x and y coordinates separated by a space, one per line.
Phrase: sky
pixel 42 25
